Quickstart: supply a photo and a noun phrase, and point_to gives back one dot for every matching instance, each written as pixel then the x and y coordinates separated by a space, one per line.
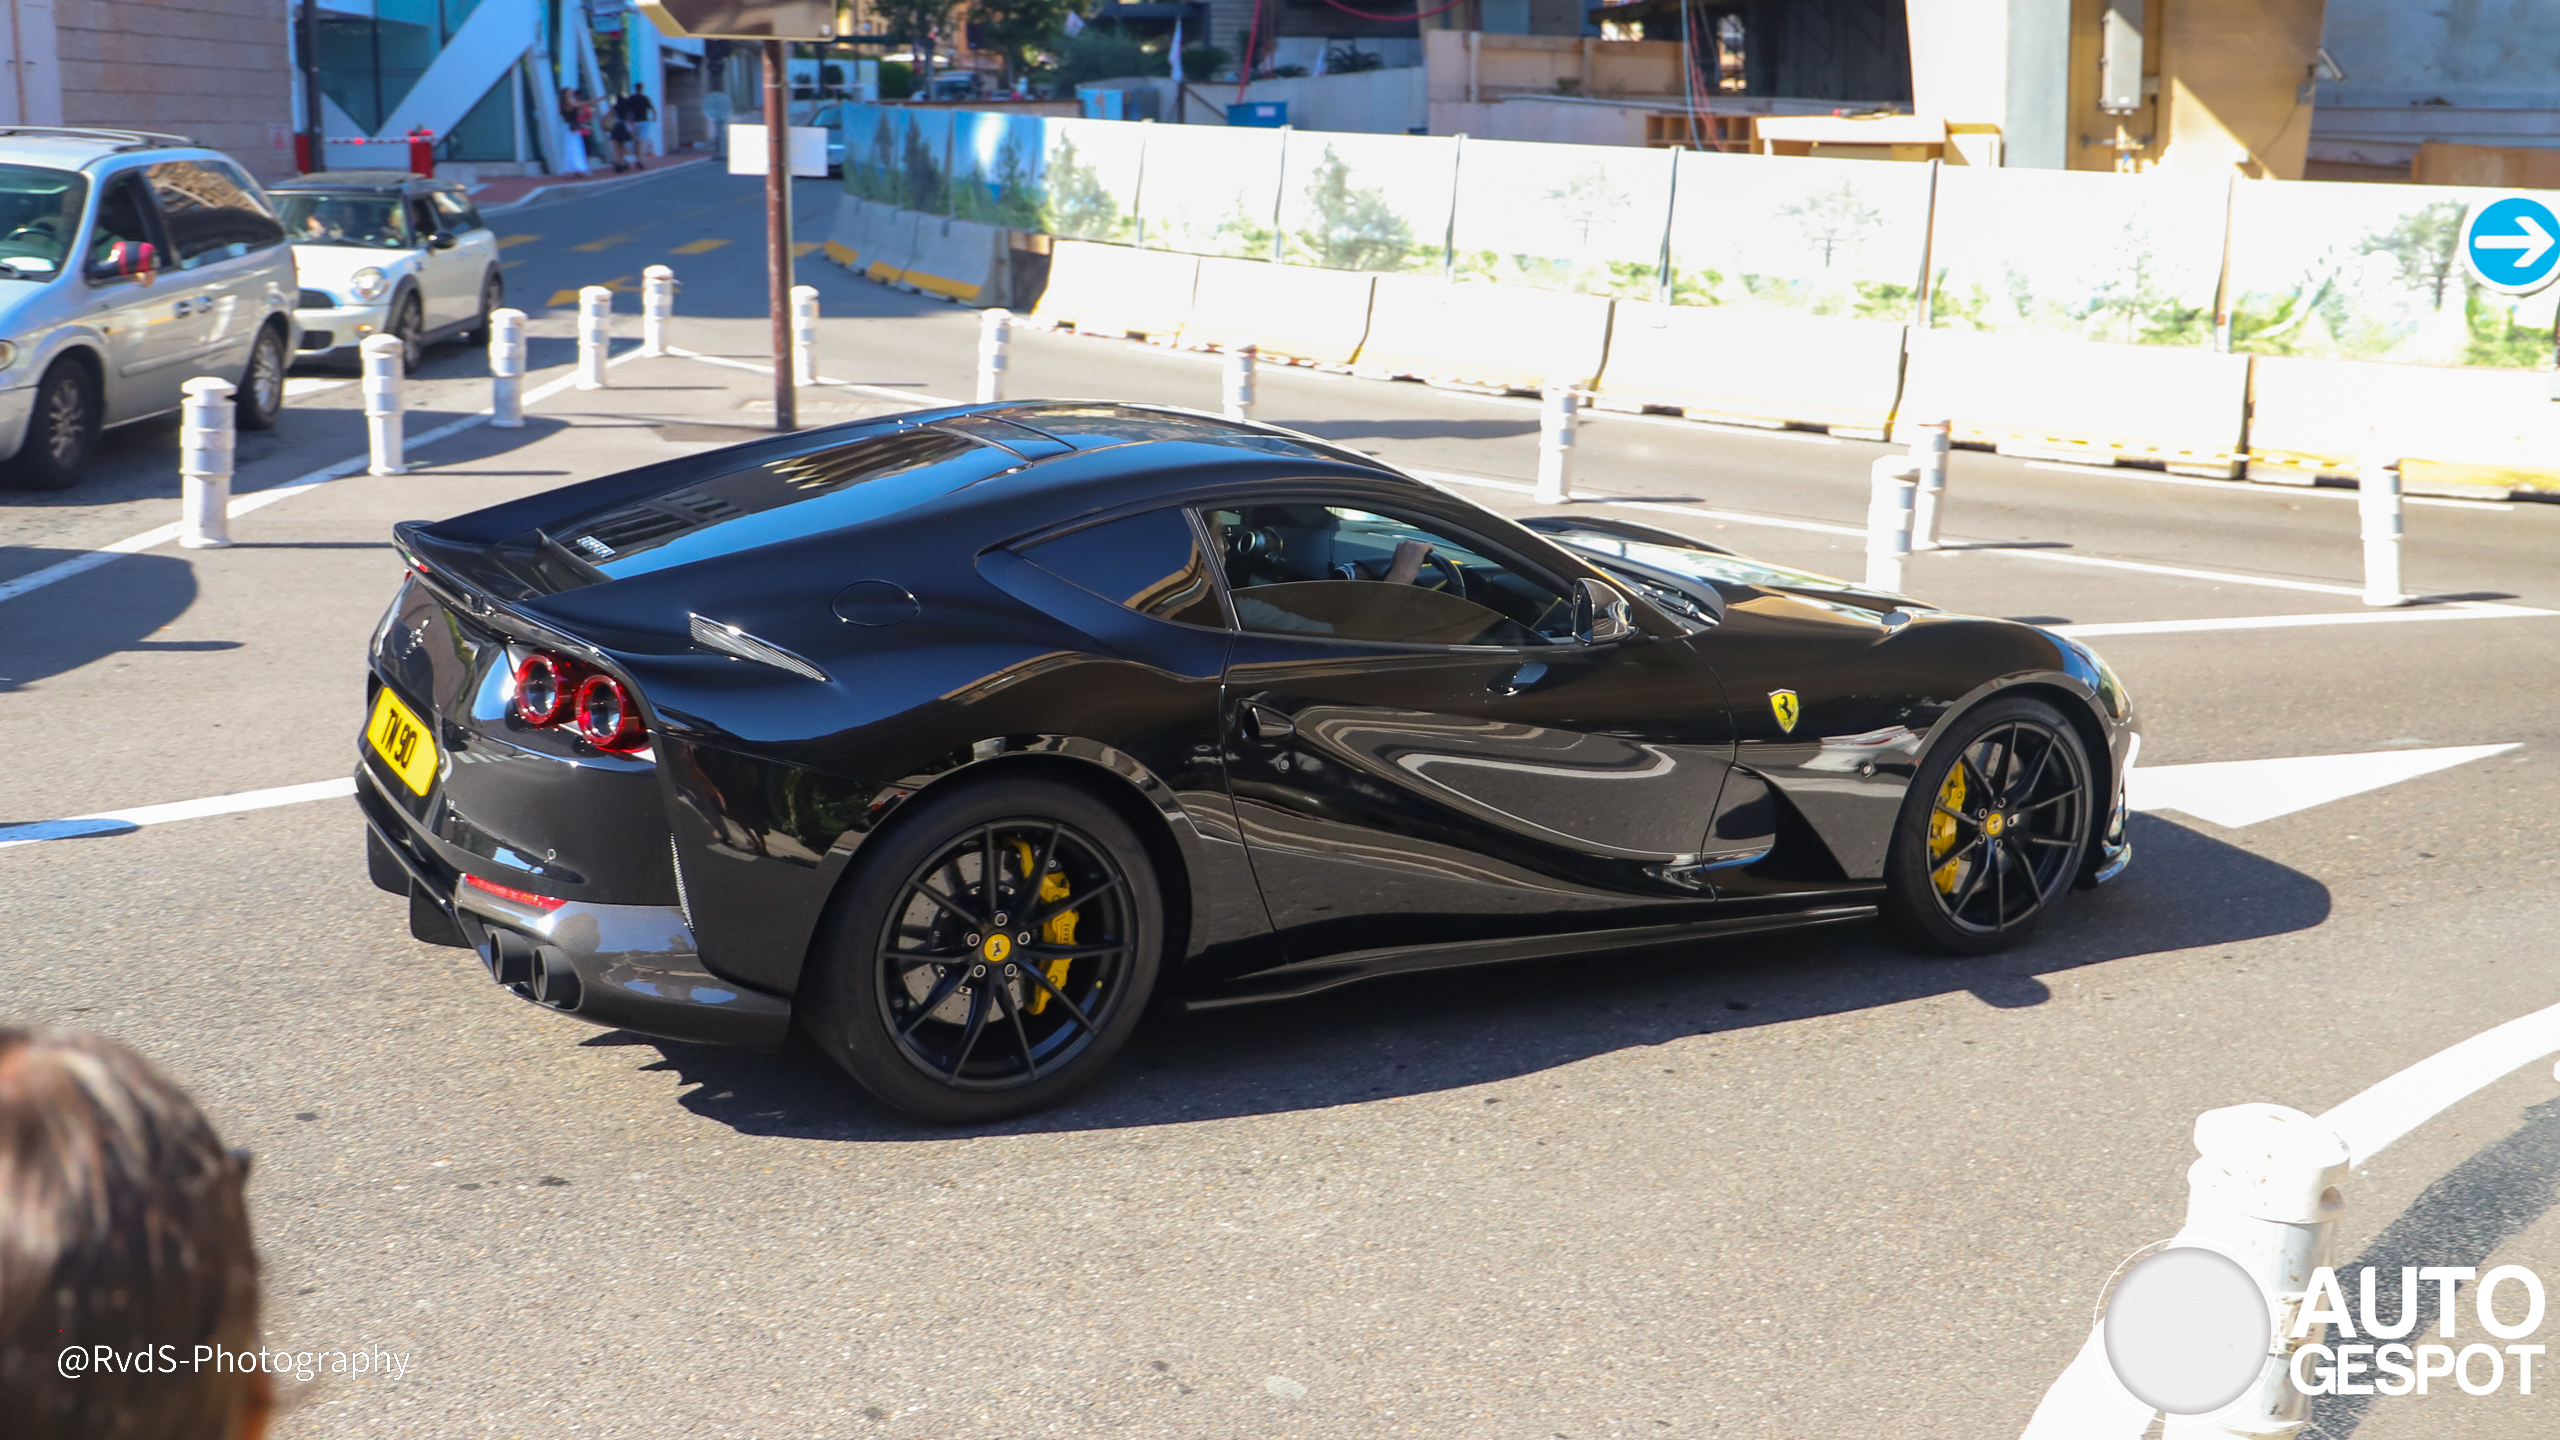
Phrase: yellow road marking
pixel 698 247
pixel 506 240
pixel 606 243
pixel 620 284
pixel 804 248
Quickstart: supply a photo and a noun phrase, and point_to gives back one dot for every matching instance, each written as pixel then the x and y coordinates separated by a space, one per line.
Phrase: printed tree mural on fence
pixel 1011 197
pixel 874 167
pixel 1354 227
pixel 1079 205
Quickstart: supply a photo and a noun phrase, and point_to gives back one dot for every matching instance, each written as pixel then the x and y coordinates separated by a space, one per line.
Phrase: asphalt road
pixel 1808 1185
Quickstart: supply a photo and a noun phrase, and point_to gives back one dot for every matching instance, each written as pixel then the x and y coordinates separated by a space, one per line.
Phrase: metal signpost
pixel 774 23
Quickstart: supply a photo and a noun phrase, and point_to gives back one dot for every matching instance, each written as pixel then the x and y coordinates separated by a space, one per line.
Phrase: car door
pixel 475 250
pixel 1422 752
pixel 448 294
pixel 225 237
pixel 146 320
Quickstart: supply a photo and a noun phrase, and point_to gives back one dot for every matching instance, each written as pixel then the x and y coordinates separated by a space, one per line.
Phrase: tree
pixel 915 23
pixel 1018 29
pixel 1355 228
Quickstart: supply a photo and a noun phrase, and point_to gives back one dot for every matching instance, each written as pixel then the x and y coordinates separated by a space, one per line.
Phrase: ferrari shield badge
pixel 1783 704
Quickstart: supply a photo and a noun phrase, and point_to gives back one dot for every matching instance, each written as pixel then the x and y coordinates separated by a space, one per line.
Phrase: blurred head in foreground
pixel 123 1230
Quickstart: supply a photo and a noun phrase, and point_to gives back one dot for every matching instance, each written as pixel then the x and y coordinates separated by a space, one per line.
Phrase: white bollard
pixel 1558 421
pixel 804 334
pixel 1241 360
pixel 2264 1192
pixel 506 369
pixel 382 423
pixel 595 335
pixel 204 464
pixel 1889 520
pixel 2378 503
pixel 1929 458
pixel 995 352
pixel 657 307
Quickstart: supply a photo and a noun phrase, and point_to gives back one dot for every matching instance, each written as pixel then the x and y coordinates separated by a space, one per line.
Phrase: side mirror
pixel 1600 614
pixel 443 240
pixel 127 260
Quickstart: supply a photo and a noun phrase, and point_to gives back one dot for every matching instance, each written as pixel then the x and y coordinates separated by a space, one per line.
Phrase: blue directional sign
pixel 2512 245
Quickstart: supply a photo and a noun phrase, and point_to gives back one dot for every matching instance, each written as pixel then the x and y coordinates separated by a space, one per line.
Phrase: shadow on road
pixel 149 592
pixel 1419 1034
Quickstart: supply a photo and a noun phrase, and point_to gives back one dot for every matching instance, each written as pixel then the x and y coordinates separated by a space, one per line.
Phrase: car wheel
pixel 994 952
pixel 493 295
pixel 409 324
pixel 1992 831
pixel 61 433
pixel 260 401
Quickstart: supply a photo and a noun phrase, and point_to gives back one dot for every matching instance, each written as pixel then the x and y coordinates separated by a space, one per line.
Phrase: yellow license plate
pixel 401 739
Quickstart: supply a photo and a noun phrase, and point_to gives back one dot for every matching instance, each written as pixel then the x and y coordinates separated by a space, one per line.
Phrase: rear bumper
pixel 636 964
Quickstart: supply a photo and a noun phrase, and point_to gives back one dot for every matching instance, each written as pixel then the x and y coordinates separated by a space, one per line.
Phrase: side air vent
pixel 730 640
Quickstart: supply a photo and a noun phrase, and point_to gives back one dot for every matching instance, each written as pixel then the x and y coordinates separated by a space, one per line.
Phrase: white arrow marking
pixel 2532 242
pixel 2234 793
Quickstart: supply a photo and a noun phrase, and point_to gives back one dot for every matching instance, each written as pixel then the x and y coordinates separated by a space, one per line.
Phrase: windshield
pixel 39 213
pixel 372 221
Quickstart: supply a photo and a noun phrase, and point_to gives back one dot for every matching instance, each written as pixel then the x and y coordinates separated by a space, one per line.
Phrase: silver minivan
pixel 130 263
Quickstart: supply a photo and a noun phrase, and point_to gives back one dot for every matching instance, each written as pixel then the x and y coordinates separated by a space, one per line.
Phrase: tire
pixel 409 323
pixel 493 295
pixel 62 431
pixel 259 403
pixel 966 1034
pixel 1969 873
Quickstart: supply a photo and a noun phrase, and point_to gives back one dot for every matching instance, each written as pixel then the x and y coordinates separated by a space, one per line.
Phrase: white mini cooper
pixel 385 252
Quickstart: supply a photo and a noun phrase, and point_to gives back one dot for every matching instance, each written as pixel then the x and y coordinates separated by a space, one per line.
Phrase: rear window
pixel 778 500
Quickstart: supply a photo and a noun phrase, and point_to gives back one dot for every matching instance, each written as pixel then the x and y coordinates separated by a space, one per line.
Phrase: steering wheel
pixel 41 230
pixel 1453 579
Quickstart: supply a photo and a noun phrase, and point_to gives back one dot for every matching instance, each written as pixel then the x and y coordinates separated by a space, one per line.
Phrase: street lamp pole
pixel 777 230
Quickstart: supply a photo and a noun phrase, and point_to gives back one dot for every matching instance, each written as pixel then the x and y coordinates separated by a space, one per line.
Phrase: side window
pixel 456 211
pixel 422 219
pixel 1358 575
pixel 212 211
pixel 1151 563
pixel 124 217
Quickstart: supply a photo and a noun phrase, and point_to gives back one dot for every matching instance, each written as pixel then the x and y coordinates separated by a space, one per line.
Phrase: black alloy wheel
pixel 493 297
pixel 409 325
pixel 259 402
pixel 1992 831
pixel 994 953
pixel 62 432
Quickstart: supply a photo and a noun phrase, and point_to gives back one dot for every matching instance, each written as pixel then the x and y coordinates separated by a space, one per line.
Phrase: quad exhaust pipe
pixel 541 972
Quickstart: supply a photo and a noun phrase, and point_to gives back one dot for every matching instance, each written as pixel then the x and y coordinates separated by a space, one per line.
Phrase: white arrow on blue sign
pixel 2512 245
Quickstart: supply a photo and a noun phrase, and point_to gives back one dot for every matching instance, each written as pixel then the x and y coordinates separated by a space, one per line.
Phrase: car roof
pixel 378 181
pixel 71 147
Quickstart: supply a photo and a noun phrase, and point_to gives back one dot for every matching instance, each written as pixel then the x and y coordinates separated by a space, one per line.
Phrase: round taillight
pixel 543 690
pixel 606 716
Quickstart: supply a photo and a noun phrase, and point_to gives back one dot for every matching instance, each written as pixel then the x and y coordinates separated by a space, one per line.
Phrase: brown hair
pixel 123 1226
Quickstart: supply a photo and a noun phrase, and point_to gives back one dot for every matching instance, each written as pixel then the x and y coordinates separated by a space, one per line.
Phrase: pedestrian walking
pixel 574 156
pixel 624 139
pixel 641 113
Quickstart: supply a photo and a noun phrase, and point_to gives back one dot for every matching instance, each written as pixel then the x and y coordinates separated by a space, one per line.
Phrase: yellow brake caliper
pixel 1942 829
pixel 1061 929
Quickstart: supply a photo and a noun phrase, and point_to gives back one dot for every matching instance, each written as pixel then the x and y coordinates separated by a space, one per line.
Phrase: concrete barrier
pixel 1480 334
pixel 850 235
pixel 2455 431
pixel 1295 312
pixel 893 244
pixel 1755 366
pixel 960 260
pixel 1118 290
pixel 2060 399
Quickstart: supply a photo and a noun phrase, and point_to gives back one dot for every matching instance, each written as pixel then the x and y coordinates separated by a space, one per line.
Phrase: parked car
pixel 130 263
pixel 831 117
pixel 385 252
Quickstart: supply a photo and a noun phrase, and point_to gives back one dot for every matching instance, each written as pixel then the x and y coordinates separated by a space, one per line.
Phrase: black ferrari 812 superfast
pixel 960 738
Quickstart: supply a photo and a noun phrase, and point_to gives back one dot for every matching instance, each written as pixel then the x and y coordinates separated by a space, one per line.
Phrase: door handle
pixel 183 307
pixel 1261 722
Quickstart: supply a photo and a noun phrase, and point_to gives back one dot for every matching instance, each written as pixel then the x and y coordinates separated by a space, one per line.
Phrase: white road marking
pixel 916 398
pixel 1446 478
pixel 118 822
pixel 2253 487
pixel 257 500
pixel 2460 610
pixel 2234 793
pixel 2086 1403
